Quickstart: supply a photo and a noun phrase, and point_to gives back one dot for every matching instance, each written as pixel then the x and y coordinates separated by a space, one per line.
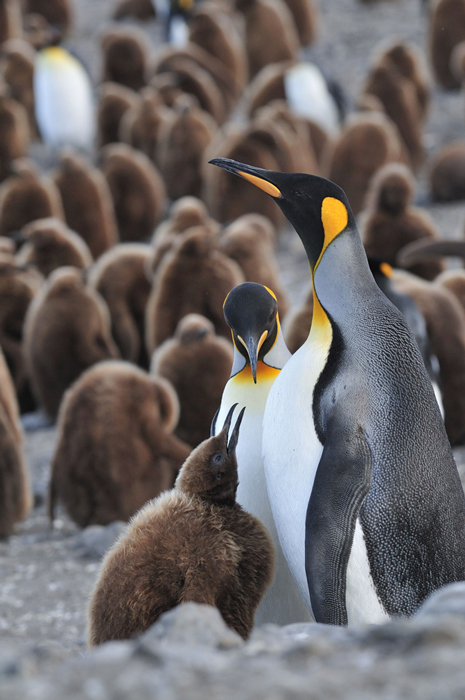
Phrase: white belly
pixel 363 604
pixel 282 604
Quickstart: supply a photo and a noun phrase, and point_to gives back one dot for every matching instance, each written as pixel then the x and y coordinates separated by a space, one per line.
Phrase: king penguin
pixel 251 311
pixel 361 478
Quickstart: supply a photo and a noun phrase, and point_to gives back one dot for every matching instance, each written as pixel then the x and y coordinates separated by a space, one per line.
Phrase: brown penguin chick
pixel 192 544
pixel 215 31
pixel 181 147
pixel 298 323
pixel 15 492
pixel 457 62
pixel 10 20
pixel 251 242
pixel 454 281
pixel 398 96
pixel 137 190
pixel 51 244
pixel 410 63
pixel 368 141
pixel 445 322
pixel 67 329
pixel 115 447
pixel 18 73
pixel 139 9
pixel 119 276
pixel 114 101
pixel 7 249
pixel 140 124
pixel 58 13
pixel 126 57
pixel 26 196
pixel 14 133
pixel 446 30
pixel 446 173
pixel 270 33
pixel 305 15
pixel 17 289
pixel 185 213
pixel 198 364
pixel 194 278
pixel 390 222
pixel 87 202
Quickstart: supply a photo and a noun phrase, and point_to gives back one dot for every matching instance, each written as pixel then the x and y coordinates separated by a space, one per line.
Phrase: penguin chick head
pixel 211 470
pixel 317 208
pixel 251 312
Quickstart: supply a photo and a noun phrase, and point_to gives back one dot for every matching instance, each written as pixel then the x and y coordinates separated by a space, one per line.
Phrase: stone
pixel 96 540
pixel 449 600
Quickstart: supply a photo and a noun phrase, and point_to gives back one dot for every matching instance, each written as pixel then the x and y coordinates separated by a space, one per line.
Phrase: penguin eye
pixel 216 460
pixel 219 476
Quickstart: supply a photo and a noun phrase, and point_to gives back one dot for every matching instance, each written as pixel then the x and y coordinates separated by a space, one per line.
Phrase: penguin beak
pixel 235 434
pixel 258 177
pixel 253 345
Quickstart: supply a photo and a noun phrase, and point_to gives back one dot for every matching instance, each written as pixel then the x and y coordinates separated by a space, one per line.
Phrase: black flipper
pixel 342 481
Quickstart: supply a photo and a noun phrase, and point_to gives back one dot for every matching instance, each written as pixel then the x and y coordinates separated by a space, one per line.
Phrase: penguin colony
pixel 141 307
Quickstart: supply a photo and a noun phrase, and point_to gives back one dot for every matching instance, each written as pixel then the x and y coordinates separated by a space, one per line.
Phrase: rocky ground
pixel 46 575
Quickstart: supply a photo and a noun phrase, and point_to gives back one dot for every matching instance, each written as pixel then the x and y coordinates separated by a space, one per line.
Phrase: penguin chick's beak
pixel 253 345
pixel 253 175
pixel 235 434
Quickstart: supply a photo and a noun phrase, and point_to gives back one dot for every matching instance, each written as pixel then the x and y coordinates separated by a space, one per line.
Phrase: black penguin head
pixel 251 311
pixel 211 470
pixel 317 208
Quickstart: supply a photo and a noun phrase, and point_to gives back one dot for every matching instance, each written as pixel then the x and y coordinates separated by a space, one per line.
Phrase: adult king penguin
pixel 251 311
pixel 363 486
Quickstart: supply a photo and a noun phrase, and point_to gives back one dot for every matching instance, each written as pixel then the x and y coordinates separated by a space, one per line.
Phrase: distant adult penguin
pixel 192 544
pixel 63 100
pixel 126 56
pixel 260 353
pixel 120 276
pixel 49 243
pixel 67 329
pixel 87 201
pixel 15 491
pixel 115 447
pixel 354 444
pixel 137 190
pixel 198 364
pixel 114 100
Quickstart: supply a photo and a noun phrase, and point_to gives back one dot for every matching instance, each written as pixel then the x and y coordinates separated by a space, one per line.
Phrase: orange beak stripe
pixel 261 184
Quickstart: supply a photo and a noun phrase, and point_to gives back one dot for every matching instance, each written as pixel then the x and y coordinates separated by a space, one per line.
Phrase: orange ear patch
pixel 261 184
pixel 334 217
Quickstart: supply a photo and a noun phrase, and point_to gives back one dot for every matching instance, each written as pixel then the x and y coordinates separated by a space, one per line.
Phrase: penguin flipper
pixel 342 481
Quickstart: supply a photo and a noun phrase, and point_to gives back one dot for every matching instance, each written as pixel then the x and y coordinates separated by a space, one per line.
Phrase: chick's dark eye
pixel 217 459
pixel 219 476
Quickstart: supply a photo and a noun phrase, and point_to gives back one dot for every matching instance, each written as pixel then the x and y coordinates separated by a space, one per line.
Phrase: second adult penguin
pixel 361 478
pixel 251 311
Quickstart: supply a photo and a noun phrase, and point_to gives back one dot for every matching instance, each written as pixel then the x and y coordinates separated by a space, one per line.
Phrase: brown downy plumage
pixel 140 125
pixel 198 364
pixel 445 321
pixel 114 101
pixel 67 329
pixel 446 173
pixel 390 221
pixel 270 33
pixel 193 544
pixel 398 95
pixel 410 63
pixel 18 73
pixel 15 492
pixel 454 281
pixel 7 249
pixel 215 31
pixel 120 277
pixel 368 141
pixel 194 278
pixel 58 13
pixel 140 9
pixel 17 289
pixel 136 188
pixel 182 144
pixel 14 132
pixel 26 196
pixel 115 447
pixel 251 242
pixel 305 15
pixel 446 30
pixel 185 213
pixel 126 57
pixel 10 20
pixel 298 323
pixel 87 202
pixel 49 244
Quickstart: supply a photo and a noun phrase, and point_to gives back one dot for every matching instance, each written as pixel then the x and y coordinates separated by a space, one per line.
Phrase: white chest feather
pixel 363 604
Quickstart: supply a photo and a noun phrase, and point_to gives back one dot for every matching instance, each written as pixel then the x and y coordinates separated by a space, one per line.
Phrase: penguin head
pixel 211 470
pixel 317 208
pixel 251 311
